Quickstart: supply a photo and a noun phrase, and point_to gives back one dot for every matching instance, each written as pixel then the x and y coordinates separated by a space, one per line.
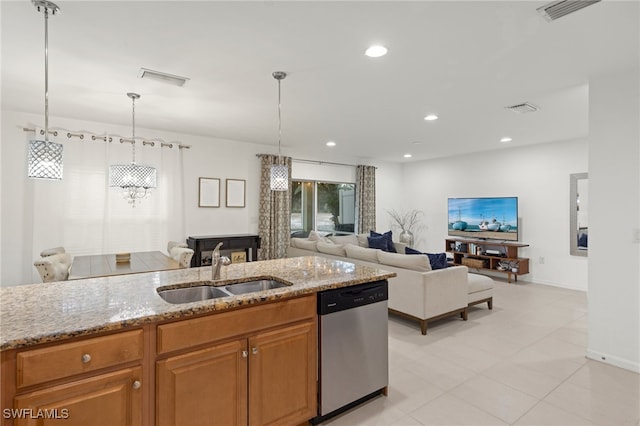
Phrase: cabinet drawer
pixel 67 359
pixel 197 331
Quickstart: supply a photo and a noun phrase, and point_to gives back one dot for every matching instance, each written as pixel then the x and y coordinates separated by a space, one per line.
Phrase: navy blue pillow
pixel 378 243
pixel 389 238
pixel 437 260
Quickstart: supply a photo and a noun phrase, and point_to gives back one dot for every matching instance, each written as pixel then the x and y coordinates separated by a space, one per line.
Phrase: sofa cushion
pixel 479 283
pixel 361 253
pixel 344 239
pixel 415 263
pixel 305 244
pixel 437 260
pixel 389 237
pixel 331 248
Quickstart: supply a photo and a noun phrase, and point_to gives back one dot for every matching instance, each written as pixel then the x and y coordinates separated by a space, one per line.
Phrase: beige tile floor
pixel 521 364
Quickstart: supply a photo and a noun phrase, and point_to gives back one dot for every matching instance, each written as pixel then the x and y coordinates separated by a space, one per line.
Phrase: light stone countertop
pixel 46 312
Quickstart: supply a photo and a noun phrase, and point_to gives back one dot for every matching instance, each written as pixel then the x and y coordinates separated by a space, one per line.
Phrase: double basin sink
pixel 196 293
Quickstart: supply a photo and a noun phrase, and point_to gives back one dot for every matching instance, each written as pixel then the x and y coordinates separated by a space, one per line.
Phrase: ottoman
pixel 480 290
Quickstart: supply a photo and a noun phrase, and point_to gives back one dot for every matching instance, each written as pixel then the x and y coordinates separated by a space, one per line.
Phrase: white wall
pixel 614 219
pixel 538 175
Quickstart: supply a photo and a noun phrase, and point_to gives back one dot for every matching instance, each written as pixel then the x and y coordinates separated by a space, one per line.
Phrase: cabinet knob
pixel 136 384
pixel 254 351
pixel 244 354
pixel 86 358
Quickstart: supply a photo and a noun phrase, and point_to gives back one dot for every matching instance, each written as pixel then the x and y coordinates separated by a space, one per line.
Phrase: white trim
pixel 612 360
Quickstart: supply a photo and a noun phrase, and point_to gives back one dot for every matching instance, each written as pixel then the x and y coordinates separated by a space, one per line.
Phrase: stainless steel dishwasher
pixel 354 349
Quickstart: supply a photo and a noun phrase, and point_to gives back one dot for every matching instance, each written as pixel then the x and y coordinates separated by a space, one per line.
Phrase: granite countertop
pixel 46 312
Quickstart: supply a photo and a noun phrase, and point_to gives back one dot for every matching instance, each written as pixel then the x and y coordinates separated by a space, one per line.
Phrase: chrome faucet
pixel 217 261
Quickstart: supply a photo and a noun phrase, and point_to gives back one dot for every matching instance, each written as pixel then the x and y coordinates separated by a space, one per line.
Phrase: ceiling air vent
pixel 523 108
pixel 176 80
pixel 558 9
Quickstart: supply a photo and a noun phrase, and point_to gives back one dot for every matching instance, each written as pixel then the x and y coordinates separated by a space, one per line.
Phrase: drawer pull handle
pixel 136 384
pixel 86 358
pixel 254 351
pixel 244 354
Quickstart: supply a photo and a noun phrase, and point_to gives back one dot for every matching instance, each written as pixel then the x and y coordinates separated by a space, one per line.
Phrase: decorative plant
pixel 407 221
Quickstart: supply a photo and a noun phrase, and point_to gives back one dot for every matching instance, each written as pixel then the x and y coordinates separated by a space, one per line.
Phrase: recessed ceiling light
pixel 505 140
pixel 331 143
pixel 416 143
pixel 164 77
pixel 431 117
pixel 407 156
pixel 376 51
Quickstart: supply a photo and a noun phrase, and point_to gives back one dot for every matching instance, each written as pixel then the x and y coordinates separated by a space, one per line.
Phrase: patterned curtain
pixel 275 211
pixel 365 198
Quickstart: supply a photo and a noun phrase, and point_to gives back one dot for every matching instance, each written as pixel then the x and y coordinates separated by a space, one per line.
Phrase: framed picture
pixel 209 192
pixel 235 192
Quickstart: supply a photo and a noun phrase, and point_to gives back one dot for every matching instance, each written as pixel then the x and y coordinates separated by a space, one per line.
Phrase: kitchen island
pixel 113 346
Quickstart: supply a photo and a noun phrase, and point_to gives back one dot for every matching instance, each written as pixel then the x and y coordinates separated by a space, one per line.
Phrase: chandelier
pixel 279 171
pixel 45 157
pixel 135 180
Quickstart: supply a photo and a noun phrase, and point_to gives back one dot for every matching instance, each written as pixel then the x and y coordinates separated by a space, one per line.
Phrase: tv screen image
pixel 486 218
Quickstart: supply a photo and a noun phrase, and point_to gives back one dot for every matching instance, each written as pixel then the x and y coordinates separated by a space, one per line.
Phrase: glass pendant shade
pixel 45 160
pixel 135 180
pixel 279 177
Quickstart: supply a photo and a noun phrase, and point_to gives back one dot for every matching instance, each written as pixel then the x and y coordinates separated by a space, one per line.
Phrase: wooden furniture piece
pixel 203 247
pixel 102 265
pixel 255 365
pixel 487 254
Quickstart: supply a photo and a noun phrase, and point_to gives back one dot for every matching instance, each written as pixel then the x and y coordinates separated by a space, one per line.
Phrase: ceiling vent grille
pixel 558 9
pixel 176 80
pixel 523 108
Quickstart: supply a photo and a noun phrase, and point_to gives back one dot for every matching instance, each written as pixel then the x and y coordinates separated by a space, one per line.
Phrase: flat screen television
pixel 493 218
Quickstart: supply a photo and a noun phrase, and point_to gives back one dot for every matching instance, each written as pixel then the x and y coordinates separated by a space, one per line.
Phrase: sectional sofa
pixel 418 292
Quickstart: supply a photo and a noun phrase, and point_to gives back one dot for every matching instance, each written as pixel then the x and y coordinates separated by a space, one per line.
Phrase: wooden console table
pixel 487 254
pixel 203 247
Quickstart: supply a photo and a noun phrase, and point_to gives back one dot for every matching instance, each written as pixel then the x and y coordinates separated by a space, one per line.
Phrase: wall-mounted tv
pixel 487 218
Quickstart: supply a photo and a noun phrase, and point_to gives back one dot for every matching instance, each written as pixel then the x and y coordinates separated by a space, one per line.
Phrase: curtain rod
pixel 110 138
pixel 301 160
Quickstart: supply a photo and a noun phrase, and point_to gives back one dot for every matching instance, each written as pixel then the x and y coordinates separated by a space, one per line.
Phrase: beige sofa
pixel 417 292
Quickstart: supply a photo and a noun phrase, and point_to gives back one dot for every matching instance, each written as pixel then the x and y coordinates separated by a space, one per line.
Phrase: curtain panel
pixel 274 225
pixel 365 198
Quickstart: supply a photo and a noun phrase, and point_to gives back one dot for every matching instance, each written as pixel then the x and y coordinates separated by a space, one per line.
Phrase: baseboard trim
pixel 613 360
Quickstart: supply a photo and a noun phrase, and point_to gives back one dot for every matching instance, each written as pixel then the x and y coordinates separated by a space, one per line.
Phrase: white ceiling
pixel 463 60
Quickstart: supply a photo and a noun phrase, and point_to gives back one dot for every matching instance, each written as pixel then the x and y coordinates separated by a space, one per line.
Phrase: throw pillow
pixel 378 243
pixel 389 236
pixel 306 244
pixel 362 240
pixel 314 236
pixel 437 260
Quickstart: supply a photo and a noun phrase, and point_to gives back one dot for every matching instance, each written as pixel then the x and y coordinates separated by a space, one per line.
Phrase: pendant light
pixel 279 171
pixel 45 157
pixel 134 179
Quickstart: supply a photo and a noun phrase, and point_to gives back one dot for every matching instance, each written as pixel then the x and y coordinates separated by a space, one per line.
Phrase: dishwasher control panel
pixel 344 298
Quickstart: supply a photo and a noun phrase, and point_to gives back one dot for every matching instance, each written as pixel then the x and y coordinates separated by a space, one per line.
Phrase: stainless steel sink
pixel 253 286
pixel 209 291
pixel 192 294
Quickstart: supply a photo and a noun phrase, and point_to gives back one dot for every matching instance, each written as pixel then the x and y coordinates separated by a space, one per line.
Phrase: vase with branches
pixel 408 222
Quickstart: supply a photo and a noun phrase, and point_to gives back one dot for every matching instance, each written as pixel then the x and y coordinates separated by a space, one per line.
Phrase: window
pixel 326 207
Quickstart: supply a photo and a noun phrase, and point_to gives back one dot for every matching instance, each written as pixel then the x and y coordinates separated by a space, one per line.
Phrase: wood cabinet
pixel 264 371
pixel 255 365
pixel 488 255
pixel 97 380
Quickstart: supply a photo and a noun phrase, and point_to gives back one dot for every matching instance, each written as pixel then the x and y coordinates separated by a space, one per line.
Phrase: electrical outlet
pixel 541 260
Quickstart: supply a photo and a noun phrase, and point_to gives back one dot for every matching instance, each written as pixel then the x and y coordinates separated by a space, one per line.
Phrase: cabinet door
pixel 108 399
pixel 203 387
pixel 283 375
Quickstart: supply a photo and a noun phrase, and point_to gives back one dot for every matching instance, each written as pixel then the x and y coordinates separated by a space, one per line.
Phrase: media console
pixel 489 255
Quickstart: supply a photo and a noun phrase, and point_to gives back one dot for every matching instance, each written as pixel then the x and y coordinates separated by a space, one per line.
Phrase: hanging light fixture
pixel 135 180
pixel 279 171
pixel 45 157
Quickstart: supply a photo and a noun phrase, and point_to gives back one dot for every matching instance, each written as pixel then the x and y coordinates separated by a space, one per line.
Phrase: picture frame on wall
pixel 208 192
pixel 236 192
